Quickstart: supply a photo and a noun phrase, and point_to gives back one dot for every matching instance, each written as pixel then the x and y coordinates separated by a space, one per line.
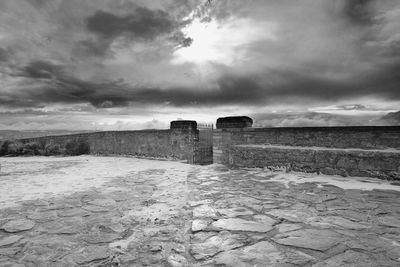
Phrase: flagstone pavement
pixel 174 214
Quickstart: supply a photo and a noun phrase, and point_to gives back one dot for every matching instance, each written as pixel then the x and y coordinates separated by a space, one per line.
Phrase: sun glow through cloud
pixel 222 42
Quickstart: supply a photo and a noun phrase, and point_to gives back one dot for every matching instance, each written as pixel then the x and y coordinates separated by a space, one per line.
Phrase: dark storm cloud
pixel 3 55
pixel 383 83
pixel 303 119
pixel 38 3
pixel 42 69
pixel 96 48
pixel 359 11
pixel 58 86
pixel 318 53
pixel 143 23
pixel 140 25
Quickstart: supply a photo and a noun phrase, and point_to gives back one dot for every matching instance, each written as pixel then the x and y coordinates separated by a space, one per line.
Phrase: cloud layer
pixel 141 56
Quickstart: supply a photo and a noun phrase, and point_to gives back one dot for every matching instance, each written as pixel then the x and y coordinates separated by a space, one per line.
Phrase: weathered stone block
pixel 234 122
pixel 344 162
pixel 183 124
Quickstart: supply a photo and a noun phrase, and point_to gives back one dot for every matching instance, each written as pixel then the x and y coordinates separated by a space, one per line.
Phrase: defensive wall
pixel 366 137
pixel 348 151
pixel 177 143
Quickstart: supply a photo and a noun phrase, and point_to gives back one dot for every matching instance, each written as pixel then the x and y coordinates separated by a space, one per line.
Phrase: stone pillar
pixel 229 130
pixel 184 138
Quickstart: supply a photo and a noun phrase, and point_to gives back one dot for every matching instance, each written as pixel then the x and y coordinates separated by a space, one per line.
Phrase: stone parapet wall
pixel 346 162
pixel 365 137
pixel 174 144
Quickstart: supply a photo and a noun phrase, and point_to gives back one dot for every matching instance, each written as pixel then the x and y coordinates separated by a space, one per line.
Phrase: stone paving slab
pixel 310 223
pixel 157 213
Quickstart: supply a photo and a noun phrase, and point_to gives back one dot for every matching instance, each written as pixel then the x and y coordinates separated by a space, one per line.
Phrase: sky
pixel 135 64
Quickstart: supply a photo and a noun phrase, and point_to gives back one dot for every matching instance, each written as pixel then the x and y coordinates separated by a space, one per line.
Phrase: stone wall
pixel 346 162
pixel 173 144
pixel 373 137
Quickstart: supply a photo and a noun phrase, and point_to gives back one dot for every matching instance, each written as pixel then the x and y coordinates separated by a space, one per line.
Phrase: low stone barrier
pixel 176 143
pixel 358 137
pixel 332 161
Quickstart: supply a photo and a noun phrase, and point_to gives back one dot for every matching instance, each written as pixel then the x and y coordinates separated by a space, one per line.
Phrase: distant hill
pixel 11 135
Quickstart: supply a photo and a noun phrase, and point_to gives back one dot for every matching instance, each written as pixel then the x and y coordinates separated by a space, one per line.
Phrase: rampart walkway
pixel 120 211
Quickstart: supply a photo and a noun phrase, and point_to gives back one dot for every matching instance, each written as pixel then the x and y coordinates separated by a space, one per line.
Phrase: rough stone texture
pixel 287 227
pixel 389 221
pixel 183 124
pixel 9 240
pixel 91 253
pixel 310 238
pixel 174 144
pixel 354 162
pixel 374 137
pixel 234 122
pixel 337 221
pixel 237 224
pixel 18 225
pixel 349 258
pixel 177 260
pixel 215 244
pixel 198 225
pixel 204 211
pixel 262 253
pixel 311 224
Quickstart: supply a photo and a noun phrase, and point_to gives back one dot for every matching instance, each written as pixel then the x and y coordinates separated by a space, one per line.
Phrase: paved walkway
pixel 158 213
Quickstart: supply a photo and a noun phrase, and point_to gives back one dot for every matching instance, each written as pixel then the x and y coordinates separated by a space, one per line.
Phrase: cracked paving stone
pixel 287 227
pixel 297 213
pixel 94 208
pixel 349 214
pixel 179 248
pixel 237 224
pixel 349 258
pixel 43 216
pixel 11 264
pixel 98 238
pixel 62 227
pixel 205 211
pixel 58 206
pixel 264 219
pixel 73 212
pixel 200 224
pixel 260 254
pixel 9 240
pixel 337 221
pixel 298 258
pixel 107 202
pixel 270 207
pixel 394 254
pixel 176 260
pixel 10 251
pixel 215 244
pixel 154 247
pixel 327 197
pixel 200 202
pixel 18 225
pixel 389 221
pixel 370 243
pixel 91 253
pixel 315 239
pixel 234 212
pixel 36 202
